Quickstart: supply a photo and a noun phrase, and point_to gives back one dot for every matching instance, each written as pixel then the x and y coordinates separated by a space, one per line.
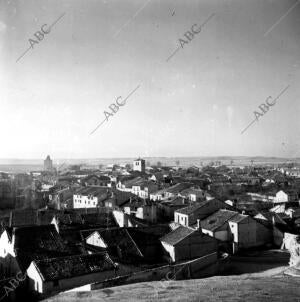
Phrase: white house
pixel 90 197
pixel 286 196
pixel 146 212
pixel 6 244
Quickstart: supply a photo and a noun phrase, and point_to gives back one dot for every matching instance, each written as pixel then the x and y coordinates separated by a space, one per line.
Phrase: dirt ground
pixel 270 285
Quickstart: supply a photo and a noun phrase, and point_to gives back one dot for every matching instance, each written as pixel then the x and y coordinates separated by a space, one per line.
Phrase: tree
pixel 177 162
pixel 158 164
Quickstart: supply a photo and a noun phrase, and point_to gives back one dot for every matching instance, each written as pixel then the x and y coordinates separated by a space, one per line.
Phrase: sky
pixel 197 103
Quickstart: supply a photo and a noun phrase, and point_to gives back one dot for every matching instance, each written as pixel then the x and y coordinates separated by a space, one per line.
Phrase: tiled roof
pixel 74 266
pixel 99 219
pixel 122 197
pixel 197 192
pixel 134 182
pixel 68 218
pixel 23 217
pixel 238 218
pixel 177 235
pixel 157 230
pixel 175 201
pixel 119 239
pixel 94 191
pixel 146 241
pixel 38 242
pixel 270 215
pixel 216 220
pixel 190 209
pixel 178 187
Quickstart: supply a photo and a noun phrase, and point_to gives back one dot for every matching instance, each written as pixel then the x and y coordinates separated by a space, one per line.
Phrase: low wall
pixel 201 267
pixel 235 265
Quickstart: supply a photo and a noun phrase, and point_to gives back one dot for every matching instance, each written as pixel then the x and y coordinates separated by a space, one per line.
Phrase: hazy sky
pixel 196 104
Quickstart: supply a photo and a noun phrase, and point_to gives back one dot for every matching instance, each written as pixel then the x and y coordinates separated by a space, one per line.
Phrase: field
pixel 21 166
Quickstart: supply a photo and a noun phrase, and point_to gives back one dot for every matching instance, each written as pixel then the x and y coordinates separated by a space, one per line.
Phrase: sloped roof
pixel 238 218
pixel 23 217
pixel 93 191
pixel 190 209
pixel 135 181
pixel 100 219
pixel 144 240
pixel 119 238
pixel 73 266
pixel 177 235
pixel 157 230
pixel 38 242
pixel 121 197
pixel 218 219
pixel 175 201
pixel 197 192
pixel 138 222
pixel 68 218
pixel 269 217
pixel 178 187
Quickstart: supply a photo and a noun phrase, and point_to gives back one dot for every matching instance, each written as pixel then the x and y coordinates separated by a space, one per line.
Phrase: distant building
pixel 139 165
pixel 93 180
pixel 170 192
pixel 48 166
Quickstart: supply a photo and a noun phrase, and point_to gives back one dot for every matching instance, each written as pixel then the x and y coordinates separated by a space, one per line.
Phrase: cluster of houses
pixel 118 225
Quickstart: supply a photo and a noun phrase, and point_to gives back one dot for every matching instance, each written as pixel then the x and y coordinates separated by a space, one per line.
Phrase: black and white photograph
pixel 149 150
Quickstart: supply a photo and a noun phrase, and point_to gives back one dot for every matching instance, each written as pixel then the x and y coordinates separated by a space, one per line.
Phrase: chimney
pixel 199 226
